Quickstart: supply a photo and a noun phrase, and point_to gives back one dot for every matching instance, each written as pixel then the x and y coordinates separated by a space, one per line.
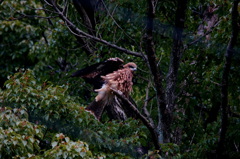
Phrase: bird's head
pixel 131 65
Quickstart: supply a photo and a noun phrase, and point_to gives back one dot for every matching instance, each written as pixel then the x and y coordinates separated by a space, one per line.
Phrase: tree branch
pixel 233 114
pixel 152 62
pixel 84 44
pixel 78 32
pixel 145 121
pixel 200 38
pixel 144 108
pixel 226 72
pixel 176 54
pixel 87 12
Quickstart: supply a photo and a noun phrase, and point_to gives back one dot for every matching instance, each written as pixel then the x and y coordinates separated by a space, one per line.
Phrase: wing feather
pixel 105 76
pixel 120 80
pixel 92 74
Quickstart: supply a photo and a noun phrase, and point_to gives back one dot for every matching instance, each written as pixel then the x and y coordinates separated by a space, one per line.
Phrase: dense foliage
pixel 42 109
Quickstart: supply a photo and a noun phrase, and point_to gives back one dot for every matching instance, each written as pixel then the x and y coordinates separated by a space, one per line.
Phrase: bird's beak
pixel 134 69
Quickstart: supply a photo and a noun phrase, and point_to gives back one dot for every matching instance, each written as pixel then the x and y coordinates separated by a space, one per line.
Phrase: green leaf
pixel 54 144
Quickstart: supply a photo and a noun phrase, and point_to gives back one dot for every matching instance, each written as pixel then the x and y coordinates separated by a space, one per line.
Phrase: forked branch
pixel 145 121
pixel 78 32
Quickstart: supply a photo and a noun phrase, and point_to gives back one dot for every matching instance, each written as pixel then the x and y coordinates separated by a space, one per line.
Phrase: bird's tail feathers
pixel 96 107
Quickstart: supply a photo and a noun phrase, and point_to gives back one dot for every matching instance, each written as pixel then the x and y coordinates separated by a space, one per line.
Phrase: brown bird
pixel 105 76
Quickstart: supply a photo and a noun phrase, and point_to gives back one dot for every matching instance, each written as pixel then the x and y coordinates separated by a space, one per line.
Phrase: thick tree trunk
pixel 150 51
pixel 176 54
pixel 224 86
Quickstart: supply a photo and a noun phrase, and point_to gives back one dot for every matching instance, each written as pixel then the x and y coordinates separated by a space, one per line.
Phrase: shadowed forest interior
pixel 120 79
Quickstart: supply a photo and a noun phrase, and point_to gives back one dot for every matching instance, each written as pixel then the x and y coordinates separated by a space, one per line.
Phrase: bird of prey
pixel 106 76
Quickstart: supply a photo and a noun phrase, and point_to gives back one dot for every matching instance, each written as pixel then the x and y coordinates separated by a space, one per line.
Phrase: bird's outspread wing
pixel 92 74
pixel 105 76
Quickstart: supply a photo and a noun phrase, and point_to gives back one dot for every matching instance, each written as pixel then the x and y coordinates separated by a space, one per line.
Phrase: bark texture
pixel 152 62
pixel 225 79
pixel 176 54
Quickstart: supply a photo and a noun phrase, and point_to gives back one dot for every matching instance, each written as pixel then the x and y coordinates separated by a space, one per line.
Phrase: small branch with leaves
pixel 146 122
pixel 78 32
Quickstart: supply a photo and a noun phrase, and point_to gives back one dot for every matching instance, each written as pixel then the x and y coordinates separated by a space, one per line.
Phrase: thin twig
pixel 108 12
pixel 48 3
pixel 198 39
pixel 144 109
pixel 81 33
